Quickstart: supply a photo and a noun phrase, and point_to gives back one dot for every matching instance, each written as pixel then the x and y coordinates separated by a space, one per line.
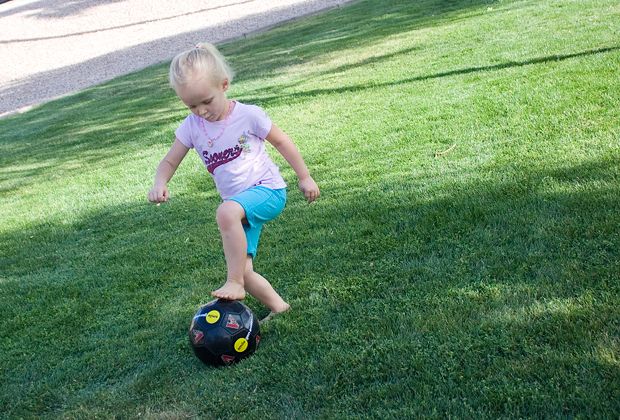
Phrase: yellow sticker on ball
pixel 241 345
pixel 213 316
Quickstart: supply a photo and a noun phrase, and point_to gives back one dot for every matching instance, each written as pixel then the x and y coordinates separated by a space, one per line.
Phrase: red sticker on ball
pixel 228 359
pixel 232 323
pixel 197 336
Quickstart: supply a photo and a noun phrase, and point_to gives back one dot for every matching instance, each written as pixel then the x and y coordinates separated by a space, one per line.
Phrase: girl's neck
pixel 230 105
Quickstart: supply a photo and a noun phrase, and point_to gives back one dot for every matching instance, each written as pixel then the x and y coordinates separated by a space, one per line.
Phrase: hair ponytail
pixel 204 60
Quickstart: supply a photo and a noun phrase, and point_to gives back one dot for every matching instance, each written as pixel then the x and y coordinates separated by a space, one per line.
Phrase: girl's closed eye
pixel 205 102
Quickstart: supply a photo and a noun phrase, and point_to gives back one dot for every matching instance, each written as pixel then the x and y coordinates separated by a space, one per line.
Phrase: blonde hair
pixel 204 60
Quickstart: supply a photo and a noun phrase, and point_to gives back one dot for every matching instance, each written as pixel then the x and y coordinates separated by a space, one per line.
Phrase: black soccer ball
pixel 223 332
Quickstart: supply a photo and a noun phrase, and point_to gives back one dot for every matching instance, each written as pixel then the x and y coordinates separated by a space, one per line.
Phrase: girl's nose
pixel 201 109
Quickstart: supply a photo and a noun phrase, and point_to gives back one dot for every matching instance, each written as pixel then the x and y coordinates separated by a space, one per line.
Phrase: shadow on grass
pixel 366 19
pixel 302 96
pixel 499 296
pixel 135 105
pixel 131 111
pixel 359 24
pixel 104 122
pixel 504 289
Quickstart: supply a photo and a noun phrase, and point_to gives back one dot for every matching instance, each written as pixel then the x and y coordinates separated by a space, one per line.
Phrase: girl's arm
pixel 283 144
pixel 165 170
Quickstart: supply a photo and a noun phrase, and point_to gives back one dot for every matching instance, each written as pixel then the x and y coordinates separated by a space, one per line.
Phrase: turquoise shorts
pixel 261 204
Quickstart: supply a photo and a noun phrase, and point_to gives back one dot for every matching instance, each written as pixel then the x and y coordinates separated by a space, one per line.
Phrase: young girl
pixel 230 139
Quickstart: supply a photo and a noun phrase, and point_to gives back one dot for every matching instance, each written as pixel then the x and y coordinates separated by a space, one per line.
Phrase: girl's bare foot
pixel 275 313
pixel 230 291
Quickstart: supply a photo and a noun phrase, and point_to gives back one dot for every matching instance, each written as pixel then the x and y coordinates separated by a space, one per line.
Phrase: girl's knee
pixel 229 212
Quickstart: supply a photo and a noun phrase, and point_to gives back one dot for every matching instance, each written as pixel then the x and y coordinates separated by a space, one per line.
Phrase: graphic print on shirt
pixel 216 159
pixel 244 142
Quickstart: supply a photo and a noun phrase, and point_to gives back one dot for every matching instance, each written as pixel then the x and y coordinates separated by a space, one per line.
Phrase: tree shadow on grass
pixel 101 122
pixel 105 122
pixel 296 97
pixel 379 16
pixel 132 111
pixel 359 24
pixel 502 293
pixel 498 296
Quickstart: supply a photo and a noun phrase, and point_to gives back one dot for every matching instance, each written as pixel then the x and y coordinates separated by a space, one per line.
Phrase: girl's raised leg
pixel 230 217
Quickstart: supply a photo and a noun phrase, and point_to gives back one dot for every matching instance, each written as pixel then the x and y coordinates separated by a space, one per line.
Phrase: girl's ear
pixel 225 85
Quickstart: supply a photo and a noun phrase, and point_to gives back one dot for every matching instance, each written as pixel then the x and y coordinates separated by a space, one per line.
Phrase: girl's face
pixel 205 98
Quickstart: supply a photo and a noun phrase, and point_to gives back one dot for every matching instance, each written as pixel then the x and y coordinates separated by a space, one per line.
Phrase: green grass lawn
pixel 483 282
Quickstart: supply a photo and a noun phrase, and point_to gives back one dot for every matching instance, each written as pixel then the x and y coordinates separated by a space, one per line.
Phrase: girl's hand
pixel 159 194
pixel 309 188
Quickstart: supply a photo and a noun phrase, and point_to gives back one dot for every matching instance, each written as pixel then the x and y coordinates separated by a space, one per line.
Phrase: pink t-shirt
pixel 233 150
